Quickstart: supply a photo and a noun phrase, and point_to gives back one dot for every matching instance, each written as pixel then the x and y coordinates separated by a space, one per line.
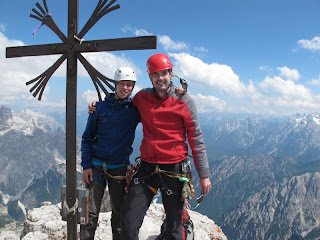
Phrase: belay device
pixel 80 208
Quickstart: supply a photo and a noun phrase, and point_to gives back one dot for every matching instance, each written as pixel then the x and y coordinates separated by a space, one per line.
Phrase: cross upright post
pixel 71 48
pixel 71 113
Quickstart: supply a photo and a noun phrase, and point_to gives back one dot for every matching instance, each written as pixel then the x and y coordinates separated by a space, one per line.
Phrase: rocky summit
pixel 45 223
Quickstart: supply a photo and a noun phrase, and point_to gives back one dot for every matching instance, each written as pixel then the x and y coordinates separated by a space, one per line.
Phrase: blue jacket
pixel 110 132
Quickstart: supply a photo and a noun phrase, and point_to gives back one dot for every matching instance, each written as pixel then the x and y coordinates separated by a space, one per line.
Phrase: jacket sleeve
pixel 87 139
pixel 195 138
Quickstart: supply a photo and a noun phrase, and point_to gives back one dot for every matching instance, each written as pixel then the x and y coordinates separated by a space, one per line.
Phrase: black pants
pixel 96 191
pixel 140 196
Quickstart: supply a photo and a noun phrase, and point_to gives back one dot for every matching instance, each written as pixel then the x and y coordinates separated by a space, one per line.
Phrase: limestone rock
pixel 45 223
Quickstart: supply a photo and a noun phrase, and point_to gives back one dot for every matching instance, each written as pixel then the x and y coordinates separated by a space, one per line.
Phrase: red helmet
pixel 158 62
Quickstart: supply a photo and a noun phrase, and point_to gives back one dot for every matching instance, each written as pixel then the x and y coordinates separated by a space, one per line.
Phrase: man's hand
pixel 205 185
pixel 91 107
pixel 180 90
pixel 87 176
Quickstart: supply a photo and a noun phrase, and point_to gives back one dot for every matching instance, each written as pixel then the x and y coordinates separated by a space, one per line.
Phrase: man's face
pixel 124 89
pixel 161 80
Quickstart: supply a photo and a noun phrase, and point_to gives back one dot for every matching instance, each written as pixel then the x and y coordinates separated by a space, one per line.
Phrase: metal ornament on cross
pixel 71 48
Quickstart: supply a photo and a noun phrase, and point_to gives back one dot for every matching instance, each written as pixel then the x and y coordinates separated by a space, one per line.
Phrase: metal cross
pixel 71 48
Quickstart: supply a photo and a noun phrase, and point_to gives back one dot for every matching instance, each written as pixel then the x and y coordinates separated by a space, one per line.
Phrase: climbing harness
pixel 183 174
pixel 105 170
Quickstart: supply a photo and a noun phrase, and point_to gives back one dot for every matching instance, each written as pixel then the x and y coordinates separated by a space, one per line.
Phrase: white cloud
pixel 135 31
pixel 170 45
pixel 209 103
pixel 313 44
pixel 2 27
pixel 106 63
pixel 167 43
pixel 15 72
pixel 201 49
pixel 290 74
pixel 275 95
pixel 215 76
pixel 315 82
pixel 285 90
pixel 90 96
pixel 266 68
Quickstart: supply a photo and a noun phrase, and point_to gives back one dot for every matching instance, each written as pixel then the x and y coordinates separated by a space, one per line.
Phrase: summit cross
pixel 71 48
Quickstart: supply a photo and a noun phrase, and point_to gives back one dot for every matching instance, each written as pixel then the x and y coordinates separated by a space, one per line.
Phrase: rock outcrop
pixel 45 223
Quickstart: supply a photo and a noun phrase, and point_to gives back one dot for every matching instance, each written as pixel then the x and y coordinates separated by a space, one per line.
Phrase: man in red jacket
pixel 168 119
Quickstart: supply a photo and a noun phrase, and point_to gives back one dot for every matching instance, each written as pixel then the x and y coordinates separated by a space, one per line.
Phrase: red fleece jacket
pixel 166 124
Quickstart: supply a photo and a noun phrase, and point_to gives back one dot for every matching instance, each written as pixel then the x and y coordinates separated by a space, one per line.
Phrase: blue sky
pixel 245 56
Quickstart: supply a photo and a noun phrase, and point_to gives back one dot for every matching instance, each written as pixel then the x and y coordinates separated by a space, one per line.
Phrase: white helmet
pixel 125 73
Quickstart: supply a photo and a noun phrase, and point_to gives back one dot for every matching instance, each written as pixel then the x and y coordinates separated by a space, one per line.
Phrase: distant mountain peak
pixel 6 119
pixel 26 121
pixel 304 119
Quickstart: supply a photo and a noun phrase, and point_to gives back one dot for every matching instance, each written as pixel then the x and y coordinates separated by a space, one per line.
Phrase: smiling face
pixel 161 81
pixel 124 89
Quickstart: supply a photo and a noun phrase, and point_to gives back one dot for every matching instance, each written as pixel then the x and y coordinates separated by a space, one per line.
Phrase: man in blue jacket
pixel 105 150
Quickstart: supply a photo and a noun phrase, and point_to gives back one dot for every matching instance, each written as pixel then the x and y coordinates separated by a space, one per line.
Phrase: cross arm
pixel 41 81
pixel 118 44
pixel 101 9
pixel 45 18
pixel 96 77
pixel 36 50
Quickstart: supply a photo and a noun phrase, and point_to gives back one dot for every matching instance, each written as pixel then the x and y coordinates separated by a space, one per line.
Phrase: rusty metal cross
pixel 71 48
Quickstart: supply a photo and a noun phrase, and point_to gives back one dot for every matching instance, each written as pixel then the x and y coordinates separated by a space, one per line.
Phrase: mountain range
pixel 264 171
pixel 32 162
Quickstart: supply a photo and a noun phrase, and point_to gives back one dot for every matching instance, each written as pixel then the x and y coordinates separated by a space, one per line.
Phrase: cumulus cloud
pixel 287 89
pixel 209 103
pixel 15 72
pixel 313 44
pixel 282 93
pixel 167 43
pixel 89 96
pixel 170 45
pixel 286 92
pixel 290 74
pixel 315 82
pixel 274 94
pixel 106 63
pixel 215 76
